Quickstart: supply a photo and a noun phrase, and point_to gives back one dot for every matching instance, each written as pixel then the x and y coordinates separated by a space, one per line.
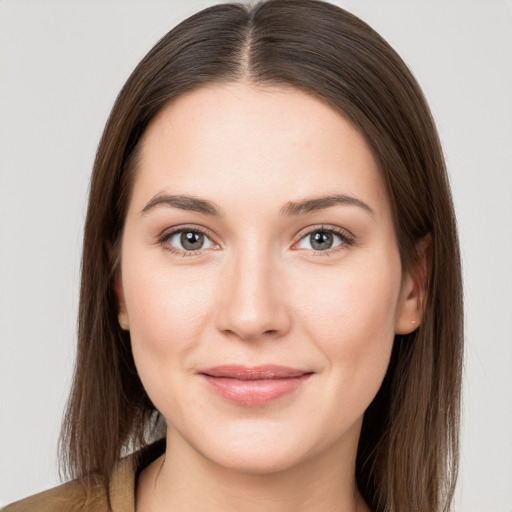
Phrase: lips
pixel 257 385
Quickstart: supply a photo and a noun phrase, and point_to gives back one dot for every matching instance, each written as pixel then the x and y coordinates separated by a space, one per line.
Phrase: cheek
pixel 167 311
pixel 351 318
pixel 166 308
pixel 344 303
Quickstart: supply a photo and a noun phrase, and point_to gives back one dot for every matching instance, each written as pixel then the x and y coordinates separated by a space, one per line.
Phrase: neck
pixel 189 481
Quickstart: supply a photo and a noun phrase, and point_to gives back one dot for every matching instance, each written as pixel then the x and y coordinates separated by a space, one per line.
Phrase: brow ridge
pixel 291 208
pixel 183 202
pixel 303 206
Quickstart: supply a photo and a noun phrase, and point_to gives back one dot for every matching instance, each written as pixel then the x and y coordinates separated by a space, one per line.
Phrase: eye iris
pixel 321 240
pixel 191 240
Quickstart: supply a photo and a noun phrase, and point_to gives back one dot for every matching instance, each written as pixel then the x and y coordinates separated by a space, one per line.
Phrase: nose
pixel 252 298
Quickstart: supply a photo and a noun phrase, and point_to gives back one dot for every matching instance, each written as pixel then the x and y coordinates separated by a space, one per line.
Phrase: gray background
pixel 62 64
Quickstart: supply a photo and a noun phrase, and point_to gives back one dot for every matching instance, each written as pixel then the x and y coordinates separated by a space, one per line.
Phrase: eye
pixel 185 241
pixel 324 239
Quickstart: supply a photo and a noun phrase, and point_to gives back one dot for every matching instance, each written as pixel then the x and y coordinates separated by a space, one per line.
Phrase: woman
pixel 270 279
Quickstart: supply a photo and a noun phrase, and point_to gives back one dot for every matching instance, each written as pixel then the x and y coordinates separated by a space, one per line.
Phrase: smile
pixel 252 386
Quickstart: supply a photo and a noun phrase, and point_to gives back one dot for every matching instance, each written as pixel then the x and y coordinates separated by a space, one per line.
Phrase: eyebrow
pixel 293 208
pixel 183 202
pixel 290 209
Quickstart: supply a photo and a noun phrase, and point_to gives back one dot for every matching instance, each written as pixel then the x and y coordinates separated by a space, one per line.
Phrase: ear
pixel 414 290
pixel 123 313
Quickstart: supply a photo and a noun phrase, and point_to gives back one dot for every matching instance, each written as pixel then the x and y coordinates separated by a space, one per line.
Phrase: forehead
pixel 271 144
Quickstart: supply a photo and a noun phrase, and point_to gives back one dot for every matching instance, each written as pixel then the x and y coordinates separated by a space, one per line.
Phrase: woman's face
pixel 260 276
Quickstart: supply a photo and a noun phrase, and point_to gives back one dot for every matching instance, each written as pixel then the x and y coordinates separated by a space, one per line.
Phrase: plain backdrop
pixel 62 64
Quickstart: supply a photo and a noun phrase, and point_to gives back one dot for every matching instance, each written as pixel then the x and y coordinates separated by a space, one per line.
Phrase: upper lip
pixel 241 372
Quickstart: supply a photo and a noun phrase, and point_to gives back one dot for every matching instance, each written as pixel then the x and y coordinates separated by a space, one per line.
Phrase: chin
pixel 255 459
pixel 262 447
pixel 244 446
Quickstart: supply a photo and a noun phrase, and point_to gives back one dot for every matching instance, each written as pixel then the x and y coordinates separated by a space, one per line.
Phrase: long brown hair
pixel 408 450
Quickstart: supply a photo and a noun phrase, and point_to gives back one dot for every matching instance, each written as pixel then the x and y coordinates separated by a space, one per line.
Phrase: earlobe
pixel 122 316
pixel 414 291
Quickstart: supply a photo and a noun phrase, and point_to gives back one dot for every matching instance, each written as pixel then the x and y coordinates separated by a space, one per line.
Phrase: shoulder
pixel 71 496
pixel 94 495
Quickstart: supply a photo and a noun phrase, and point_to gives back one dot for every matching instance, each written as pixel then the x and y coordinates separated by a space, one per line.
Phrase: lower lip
pixel 254 392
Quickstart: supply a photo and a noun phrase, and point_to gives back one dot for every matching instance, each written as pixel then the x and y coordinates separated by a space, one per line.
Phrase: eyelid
pixel 168 233
pixel 347 238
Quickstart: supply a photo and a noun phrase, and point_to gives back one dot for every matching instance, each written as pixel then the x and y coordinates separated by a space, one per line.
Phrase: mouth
pixel 252 386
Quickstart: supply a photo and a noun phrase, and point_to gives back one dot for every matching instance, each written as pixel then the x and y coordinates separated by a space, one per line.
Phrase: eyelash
pixel 180 252
pixel 347 239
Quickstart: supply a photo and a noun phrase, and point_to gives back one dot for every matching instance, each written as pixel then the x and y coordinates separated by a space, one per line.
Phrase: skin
pixel 258 293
